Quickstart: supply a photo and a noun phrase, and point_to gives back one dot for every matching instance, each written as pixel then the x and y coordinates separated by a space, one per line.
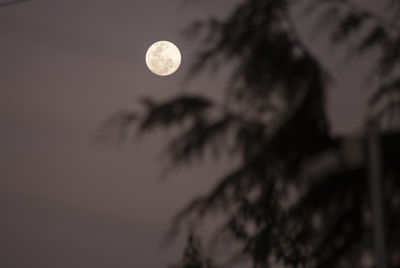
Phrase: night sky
pixel 67 200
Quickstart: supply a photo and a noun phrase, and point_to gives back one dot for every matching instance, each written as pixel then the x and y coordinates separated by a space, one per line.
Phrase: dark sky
pixel 65 66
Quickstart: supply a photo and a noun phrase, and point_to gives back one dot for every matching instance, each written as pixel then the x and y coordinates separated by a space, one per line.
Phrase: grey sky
pixel 65 201
pixel 64 67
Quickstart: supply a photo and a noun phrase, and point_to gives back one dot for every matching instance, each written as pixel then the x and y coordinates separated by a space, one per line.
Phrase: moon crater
pixel 163 58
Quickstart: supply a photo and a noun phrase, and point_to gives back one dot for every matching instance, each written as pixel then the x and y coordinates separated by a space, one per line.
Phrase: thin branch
pixel 389 25
pixel 12 2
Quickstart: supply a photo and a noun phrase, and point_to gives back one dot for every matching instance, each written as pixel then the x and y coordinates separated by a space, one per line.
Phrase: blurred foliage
pixel 193 255
pixel 273 120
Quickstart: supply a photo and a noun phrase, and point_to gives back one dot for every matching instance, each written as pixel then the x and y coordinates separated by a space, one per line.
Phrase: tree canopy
pixel 273 119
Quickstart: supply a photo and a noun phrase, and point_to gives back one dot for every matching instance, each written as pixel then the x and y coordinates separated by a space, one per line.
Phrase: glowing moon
pixel 163 58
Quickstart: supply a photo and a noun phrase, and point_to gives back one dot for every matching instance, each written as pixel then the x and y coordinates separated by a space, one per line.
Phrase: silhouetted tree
pixel 273 120
pixel 193 256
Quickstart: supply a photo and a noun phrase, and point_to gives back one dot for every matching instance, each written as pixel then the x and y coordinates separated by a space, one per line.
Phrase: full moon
pixel 163 58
